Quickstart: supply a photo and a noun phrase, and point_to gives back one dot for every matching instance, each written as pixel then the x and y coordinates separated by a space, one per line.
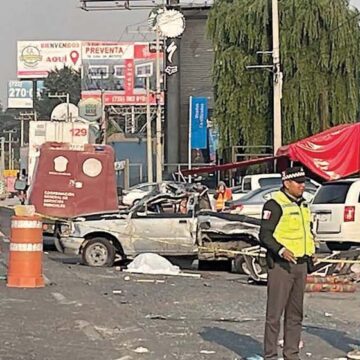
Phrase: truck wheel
pixel 98 252
pixel 239 265
pixel 337 246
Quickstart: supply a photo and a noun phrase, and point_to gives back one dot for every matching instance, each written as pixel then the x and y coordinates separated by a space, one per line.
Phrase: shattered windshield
pixel 170 195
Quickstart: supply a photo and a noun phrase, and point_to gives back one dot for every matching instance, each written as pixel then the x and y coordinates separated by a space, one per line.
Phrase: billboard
pixel 198 122
pixel 119 70
pixel 20 93
pixel 35 59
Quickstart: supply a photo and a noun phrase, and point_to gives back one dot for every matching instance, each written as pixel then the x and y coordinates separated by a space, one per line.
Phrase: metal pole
pixel 103 117
pixel 158 111
pixel 34 98
pixel 22 131
pixel 10 150
pixel 190 137
pixel 12 158
pixel 148 133
pixel 67 107
pixel 2 155
pixel 133 127
pixel 277 77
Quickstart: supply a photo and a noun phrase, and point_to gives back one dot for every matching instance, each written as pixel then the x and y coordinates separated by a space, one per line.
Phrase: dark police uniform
pixel 286 225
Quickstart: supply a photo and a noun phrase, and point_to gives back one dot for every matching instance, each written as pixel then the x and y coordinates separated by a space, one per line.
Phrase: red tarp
pixel 331 154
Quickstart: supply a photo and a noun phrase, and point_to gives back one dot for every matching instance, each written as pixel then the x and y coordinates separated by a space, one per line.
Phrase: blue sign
pixel 198 122
pixel 20 93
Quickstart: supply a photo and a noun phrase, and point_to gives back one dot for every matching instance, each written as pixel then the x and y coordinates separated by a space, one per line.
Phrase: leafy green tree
pixel 63 81
pixel 319 54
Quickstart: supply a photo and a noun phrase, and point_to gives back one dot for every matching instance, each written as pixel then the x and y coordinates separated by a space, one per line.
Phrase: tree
pixel 319 53
pixel 63 81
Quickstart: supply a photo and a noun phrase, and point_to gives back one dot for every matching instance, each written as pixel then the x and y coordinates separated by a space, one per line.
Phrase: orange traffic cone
pixel 26 251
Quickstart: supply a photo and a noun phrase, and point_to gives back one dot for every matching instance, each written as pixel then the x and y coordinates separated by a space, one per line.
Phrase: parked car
pixel 136 193
pixel 157 224
pixel 253 182
pixel 336 211
pixel 252 203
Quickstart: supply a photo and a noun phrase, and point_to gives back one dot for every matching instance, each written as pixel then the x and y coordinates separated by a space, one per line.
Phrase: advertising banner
pixel 120 71
pixel 198 122
pixel 35 59
pixel 20 93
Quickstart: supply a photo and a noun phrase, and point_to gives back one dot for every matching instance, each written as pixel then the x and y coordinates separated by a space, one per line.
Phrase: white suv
pixel 336 211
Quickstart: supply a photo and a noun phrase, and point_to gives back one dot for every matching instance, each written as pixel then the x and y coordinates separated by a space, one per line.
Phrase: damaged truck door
pixel 165 231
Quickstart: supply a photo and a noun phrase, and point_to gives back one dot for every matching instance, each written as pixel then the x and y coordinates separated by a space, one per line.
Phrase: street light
pixel 62 96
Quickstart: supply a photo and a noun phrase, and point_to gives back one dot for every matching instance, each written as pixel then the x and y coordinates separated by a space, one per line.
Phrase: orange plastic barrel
pixel 26 252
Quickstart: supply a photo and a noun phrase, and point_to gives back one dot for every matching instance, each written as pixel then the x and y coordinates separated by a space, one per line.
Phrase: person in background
pixel 222 195
pixel 183 206
pixel 285 232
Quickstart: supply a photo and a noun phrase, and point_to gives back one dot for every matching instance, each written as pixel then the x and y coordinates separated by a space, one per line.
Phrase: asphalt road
pixel 102 313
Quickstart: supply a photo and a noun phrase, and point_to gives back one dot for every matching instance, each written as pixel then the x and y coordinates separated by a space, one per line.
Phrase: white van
pixel 336 213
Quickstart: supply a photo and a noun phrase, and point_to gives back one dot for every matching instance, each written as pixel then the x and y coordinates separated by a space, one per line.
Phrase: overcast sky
pixel 59 20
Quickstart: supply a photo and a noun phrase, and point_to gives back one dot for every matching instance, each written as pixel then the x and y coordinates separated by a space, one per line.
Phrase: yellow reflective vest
pixel 294 228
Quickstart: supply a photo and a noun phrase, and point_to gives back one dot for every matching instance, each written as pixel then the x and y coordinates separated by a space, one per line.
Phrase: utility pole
pixel 10 152
pixel 24 117
pixel 148 133
pixel 277 77
pixel 2 161
pixel 158 111
pixel 103 116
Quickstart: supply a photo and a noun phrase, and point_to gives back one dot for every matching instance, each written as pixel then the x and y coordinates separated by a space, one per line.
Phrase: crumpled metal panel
pixel 211 222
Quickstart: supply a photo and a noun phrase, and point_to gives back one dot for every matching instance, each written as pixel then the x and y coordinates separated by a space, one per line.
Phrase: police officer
pixel 286 234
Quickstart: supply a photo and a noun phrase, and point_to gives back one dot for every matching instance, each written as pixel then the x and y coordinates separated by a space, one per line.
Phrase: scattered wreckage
pixel 174 220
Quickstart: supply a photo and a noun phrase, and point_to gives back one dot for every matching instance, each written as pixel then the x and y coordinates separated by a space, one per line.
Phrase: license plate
pixel 324 217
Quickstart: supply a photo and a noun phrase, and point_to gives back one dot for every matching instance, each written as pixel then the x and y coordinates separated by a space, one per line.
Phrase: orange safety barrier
pixel 26 252
pixel 348 288
pixel 330 279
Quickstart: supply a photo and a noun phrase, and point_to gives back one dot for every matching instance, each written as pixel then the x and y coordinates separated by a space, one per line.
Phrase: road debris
pixel 255 357
pixel 207 352
pixel 150 281
pixel 281 343
pixel 141 350
pixel 88 330
pixel 354 355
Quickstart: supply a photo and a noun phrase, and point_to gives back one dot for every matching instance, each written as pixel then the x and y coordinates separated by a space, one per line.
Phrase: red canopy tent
pixel 331 154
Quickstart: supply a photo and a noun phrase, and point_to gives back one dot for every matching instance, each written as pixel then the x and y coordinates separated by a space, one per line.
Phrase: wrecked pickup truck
pixel 175 220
